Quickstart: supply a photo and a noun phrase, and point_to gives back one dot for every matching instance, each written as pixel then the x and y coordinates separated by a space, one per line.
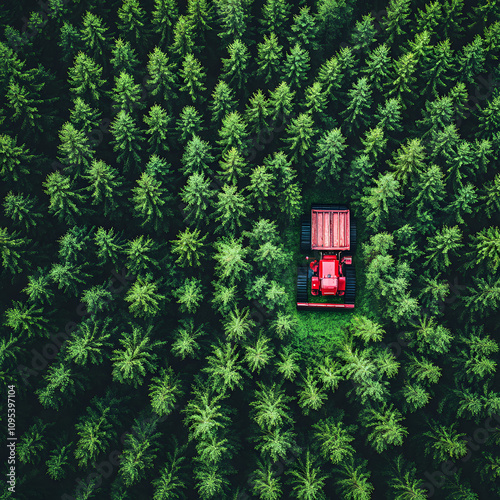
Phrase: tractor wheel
pixel 302 282
pixel 305 234
pixel 352 236
pixel 350 285
pixel 321 206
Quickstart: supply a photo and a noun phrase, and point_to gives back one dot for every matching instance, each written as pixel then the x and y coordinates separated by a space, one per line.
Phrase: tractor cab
pixel 326 276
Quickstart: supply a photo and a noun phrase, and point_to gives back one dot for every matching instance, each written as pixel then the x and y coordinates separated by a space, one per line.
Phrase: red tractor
pixel 331 230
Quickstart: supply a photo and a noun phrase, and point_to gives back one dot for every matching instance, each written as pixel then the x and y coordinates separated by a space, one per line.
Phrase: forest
pixel 156 158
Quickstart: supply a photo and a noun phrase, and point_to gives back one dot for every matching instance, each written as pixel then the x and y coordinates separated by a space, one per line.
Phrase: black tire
pixel 322 206
pixel 353 235
pixel 350 285
pixel 305 234
pixel 302 282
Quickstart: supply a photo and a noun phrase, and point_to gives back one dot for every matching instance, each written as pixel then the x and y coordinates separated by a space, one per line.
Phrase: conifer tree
pixel 14 160
pixel 200 17
pixel 233 132
pixel 93 35
pixel 32 443
pixel 222 103
pixel 141 253
pixel 276 444
pixel 353 481
pixel 364 33
pixel 85 77
pixel 296 66
pixel 472 60
pixel 75 150
pixel 162 78
pixel 307 479
pixel 311 397
pixel 193 76
pixel 126 93
pixel 183 37
pixel 266 483
pixel 329 152
pixel 96 299
pixel 132 21
pixel 360 99
pixel 330 76
pixel 232 167
pixel 84 117
pixel 164 391
pixel 233 19
pixel 157 121
pixel 135 358
pixel 281 102
pixel 224 367
pixel 89 342
pixel 488 117
pixel 230 258
pixel 24 108
pixel 491 197
pixel 382 202
pixel 61 386
pixel 332 17
pixel 26 319
pixel 234 69
pixel 124 57
pixel 139 450
pixel 398 12
pixel 104 186
pixel 189 295
pixel 269 58
pixel 439 67
pixel 198 197
pixel 58 461
pixel 189 247
pixel 67 277
pixel 409 161
pixel 189 123
pixel 64 199
pixel 22 210
pixel 304 30
pixel 164 17
pixel 404 80
pixel 261 187
pixel 442 245
pixel 378 67
pixel 127 140
pixel 300 132
pixel 257 113
pixel 150 201
pixel 144 301
pixel 230 209
pixel 387 428
pixel 70 41
pixel 444 442
pixel 186 343
pixel 38 288
pixel 97 429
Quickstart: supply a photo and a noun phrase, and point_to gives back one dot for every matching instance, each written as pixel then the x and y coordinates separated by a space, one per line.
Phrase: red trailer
pixel 330 230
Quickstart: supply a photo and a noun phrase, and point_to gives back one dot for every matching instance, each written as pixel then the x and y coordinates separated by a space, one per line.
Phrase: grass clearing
pixel 322 332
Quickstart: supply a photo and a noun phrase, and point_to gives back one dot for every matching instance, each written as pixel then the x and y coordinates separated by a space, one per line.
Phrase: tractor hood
pixel 329 275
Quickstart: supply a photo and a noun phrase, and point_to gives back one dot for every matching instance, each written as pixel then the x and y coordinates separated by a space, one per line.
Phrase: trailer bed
pixel 329 229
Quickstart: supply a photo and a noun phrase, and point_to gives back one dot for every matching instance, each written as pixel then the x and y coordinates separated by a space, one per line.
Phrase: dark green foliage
pixel 156 159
